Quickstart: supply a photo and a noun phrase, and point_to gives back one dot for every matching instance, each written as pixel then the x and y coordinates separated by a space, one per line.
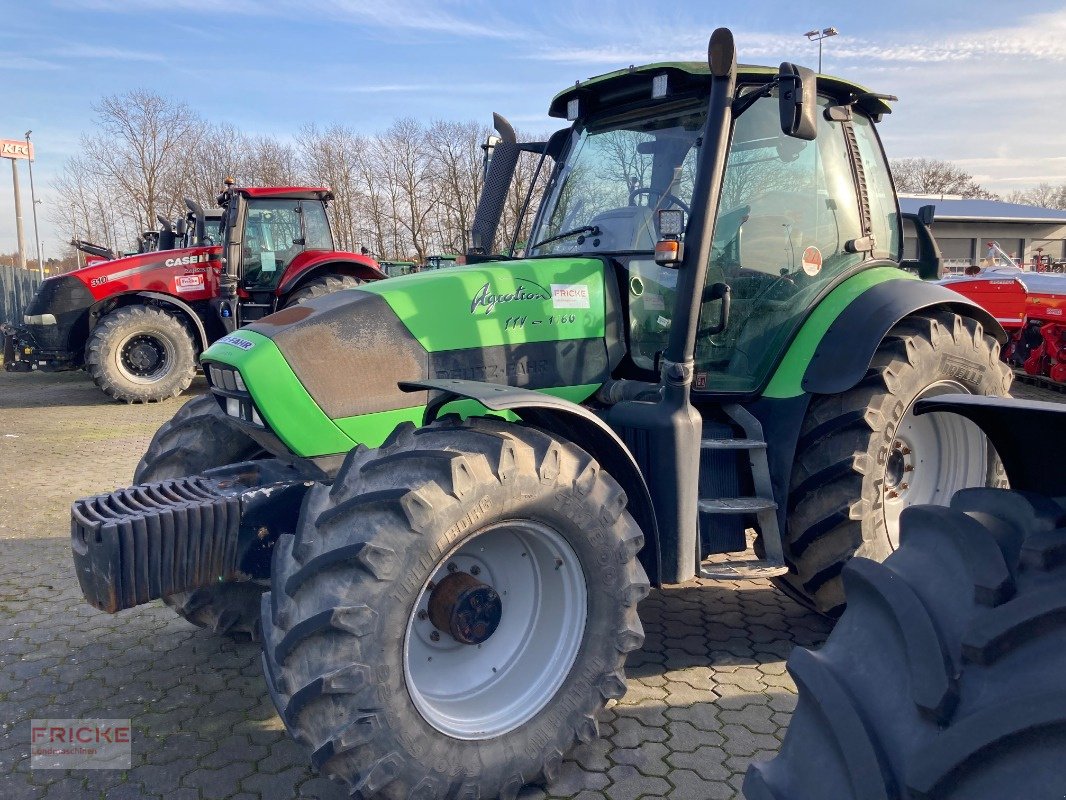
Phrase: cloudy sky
pixel 979 82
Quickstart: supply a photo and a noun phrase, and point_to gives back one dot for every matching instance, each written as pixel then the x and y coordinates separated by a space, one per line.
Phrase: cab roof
pixel 624 86
pixel 294 192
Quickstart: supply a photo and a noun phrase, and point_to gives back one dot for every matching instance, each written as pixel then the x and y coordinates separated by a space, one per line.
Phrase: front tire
pixel 354 616
pixel 199 438
pixel 141 354
pixel 863 456
pixel 944 676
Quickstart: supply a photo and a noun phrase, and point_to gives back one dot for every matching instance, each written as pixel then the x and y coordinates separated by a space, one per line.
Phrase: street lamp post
pixel 33 205
pixel 74 222
pixel 817 36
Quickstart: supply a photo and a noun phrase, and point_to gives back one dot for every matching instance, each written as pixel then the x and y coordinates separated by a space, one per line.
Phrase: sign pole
pixel 18 215
pixel 33 205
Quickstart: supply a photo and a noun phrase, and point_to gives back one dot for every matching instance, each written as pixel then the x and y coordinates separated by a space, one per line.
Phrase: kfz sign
pixel 14 148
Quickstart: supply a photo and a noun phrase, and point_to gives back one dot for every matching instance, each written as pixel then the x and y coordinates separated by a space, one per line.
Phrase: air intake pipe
pixel 198 214
pixel 502 163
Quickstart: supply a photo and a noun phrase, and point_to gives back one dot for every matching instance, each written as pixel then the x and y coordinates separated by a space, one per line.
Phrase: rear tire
pixel 199 438
pixel 851 478
pixel 344 639
pixel 141 354
pixel 944 677
pixel 319 287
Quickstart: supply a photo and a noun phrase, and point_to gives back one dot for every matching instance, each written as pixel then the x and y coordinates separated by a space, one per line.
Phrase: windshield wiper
pixel 593 229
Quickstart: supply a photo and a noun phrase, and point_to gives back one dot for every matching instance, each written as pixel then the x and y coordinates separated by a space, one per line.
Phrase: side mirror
pixel 929 266
pixel 926 214
pixel 798 101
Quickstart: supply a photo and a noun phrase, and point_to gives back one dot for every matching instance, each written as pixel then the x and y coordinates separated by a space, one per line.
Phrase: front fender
pixel 571 421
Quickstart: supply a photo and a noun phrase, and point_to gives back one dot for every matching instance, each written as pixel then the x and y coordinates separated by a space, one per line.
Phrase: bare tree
pixel 1043 195
pixel 455 148
pixel 407 168
pixel 140 151
pixel 933 176
pixel 331 157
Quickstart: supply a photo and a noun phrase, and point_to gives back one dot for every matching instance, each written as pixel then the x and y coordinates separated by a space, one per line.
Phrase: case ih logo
pixel 185 260
pixel 13 148
pixel 488 300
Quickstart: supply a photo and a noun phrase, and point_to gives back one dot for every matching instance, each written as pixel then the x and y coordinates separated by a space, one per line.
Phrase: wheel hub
pixel 898 464
pixel 465 608
pixel 142 355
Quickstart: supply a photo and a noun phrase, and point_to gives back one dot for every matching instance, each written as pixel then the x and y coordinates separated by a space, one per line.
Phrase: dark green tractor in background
pixel 459 484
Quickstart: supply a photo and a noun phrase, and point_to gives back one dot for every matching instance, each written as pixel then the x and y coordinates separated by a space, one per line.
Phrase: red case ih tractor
pixel 138 324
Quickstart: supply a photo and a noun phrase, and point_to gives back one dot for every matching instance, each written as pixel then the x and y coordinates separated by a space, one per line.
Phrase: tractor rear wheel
pixel 199 438
pixel 944 676
pixel 863 456
pixel 319 287
pixel 141 354
pixel 454 611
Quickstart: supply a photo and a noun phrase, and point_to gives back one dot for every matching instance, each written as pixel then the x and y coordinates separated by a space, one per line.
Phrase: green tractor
pixel 440 498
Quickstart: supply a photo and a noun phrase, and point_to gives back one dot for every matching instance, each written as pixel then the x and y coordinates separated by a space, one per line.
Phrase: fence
pixel 17 287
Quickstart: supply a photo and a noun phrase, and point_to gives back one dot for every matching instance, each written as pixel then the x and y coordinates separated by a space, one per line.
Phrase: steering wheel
pixel 673 198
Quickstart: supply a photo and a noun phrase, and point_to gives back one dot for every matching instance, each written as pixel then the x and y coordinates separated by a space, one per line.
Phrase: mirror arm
pixel 742 104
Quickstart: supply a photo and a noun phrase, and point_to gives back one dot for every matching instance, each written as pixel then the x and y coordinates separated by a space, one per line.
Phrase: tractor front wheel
pixel 199 438
pixel 863 455
pixel 141 354
pixel 454 611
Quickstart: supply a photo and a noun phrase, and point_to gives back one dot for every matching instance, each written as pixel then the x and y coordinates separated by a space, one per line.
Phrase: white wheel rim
pixel 931 457
pixel 479 691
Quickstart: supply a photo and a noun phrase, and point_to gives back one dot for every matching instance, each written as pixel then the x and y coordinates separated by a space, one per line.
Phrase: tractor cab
pixel 789 222
pixel 272 239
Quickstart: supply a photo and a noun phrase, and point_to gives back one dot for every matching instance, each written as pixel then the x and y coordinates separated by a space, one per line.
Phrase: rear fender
pixel 846 350
pixel 572 422
pixel 312 265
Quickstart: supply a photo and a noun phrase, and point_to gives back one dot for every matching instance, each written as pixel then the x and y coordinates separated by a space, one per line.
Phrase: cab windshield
pixel 275 232
pixel 617 175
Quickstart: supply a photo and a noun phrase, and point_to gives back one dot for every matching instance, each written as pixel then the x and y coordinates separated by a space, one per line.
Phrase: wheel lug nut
pixel 902 486
pixel 435 636
pixel 475 570
pixel 893 494
pixel 909 468
pixel 452 568
pixel 431 586
pixel 422 613
pixel 906 451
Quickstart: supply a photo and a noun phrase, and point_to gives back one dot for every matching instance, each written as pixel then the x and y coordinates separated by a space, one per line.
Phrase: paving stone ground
pixel 707 693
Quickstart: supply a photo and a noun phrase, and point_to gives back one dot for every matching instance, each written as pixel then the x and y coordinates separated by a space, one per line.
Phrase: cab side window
pixel 788 209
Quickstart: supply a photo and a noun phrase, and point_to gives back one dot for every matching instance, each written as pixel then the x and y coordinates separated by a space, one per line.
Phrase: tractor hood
pixel 322 376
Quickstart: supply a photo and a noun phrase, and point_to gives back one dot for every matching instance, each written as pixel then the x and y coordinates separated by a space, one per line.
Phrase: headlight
pixel 232 394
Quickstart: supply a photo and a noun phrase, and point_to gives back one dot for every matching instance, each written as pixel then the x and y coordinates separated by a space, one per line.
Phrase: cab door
pixel 788 222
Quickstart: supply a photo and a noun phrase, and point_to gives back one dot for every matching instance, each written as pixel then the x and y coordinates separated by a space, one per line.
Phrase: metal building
pixel 963 229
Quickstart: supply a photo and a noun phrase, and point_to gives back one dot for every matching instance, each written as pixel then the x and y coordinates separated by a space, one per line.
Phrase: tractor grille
pixel 154 540
pixel 232 394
